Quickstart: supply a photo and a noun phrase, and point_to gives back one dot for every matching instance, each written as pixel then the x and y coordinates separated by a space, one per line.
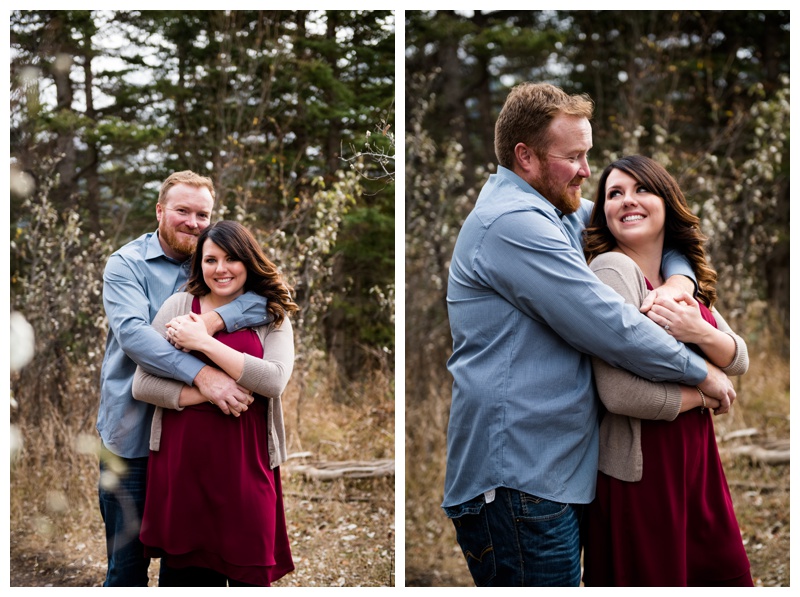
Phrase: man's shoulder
pixel 135 249
pixel 501 196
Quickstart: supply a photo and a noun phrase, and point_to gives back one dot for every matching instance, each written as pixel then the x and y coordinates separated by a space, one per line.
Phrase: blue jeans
pixel 122 506
pixel 519 540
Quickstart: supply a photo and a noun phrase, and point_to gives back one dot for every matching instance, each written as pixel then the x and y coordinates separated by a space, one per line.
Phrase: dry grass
pixel 342 531
pixel 760 492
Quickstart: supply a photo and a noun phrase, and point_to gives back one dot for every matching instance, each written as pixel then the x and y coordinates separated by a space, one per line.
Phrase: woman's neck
pixel 211 301
pixel 648 259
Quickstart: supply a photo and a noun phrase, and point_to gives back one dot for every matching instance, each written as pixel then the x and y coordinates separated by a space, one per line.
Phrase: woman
pixel 214 507
pixel 663 514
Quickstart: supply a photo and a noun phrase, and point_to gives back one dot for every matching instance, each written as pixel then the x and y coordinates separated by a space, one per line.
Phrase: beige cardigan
pixel 267 377
pixel 629 398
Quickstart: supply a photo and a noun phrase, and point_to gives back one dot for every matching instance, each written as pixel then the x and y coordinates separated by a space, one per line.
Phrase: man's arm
pixel 680 278
pixel 246 311
pixel 127 308
pixel 623 392
pixel 529 260
pixel 211 383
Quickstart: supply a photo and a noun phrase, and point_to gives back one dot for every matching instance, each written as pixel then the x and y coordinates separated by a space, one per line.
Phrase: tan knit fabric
pixel 629 398
pixel 267 376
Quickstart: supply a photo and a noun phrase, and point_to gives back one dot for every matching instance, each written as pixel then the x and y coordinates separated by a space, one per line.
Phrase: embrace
pixel 588 363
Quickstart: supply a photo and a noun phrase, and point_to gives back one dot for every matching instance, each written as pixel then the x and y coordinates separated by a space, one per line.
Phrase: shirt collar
pixel 511 176
pixel 155 250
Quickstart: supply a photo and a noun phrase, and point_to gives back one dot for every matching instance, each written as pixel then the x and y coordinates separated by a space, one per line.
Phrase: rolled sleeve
pixel 247 311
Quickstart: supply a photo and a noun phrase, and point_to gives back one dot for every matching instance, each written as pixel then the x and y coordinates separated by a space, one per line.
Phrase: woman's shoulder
pixel 621 273
pixel 617 261
pixel 180 301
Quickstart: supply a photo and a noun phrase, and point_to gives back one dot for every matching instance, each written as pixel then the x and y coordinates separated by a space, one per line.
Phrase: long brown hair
pixel 681 226
pixel 263 276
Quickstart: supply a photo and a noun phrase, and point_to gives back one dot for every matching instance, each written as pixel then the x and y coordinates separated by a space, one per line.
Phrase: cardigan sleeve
pixel 269 375
pixel 620 391
pixel 149 388
pixel 741 358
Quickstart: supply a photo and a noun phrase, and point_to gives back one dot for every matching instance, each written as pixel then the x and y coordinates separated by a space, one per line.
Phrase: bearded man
pixel 137 279
pixel 526 313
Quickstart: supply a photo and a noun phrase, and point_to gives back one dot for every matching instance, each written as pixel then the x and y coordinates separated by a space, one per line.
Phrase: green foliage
pixel 262 101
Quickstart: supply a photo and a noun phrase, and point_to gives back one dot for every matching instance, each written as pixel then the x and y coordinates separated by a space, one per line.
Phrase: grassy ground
pixel 760 491
pixel 342 534
pixel 342 531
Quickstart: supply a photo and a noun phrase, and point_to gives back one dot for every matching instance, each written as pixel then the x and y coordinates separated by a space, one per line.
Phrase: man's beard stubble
pixel 561 198
pixel 170 236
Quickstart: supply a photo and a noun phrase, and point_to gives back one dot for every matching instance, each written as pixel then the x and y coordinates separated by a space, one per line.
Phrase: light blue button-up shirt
pixel 525 312
pixel 138 278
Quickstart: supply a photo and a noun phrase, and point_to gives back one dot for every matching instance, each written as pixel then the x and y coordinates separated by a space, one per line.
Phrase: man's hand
pixel 671 289
pixel 717 385
pixel 219 388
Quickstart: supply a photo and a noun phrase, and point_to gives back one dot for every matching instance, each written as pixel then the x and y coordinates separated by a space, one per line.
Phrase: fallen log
pixel 749 432
pixel 350 469
pixel 777 452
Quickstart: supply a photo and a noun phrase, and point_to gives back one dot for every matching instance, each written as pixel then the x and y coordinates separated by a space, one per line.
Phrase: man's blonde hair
pixel 186 177
pixel 526 116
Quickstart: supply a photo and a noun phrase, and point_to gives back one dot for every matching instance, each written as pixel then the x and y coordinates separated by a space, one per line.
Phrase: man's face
pixel 559 175
pixel 186 212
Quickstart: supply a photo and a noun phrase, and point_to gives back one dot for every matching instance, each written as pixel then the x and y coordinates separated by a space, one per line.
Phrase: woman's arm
pixel 741 358
pixel 720 345
pixel 621 391
pixel 162 391
pixel 269 375
pixel 191 334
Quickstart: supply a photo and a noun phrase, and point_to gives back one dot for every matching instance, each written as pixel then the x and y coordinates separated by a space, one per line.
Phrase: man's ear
pixel 526 161
pixel 159 212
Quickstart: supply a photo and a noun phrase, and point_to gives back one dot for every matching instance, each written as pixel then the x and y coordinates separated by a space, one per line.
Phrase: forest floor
pixel 342 534
pixel 342 531
pixel 761 499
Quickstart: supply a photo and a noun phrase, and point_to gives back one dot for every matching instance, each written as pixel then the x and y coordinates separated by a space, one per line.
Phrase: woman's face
pixel 224 275
pixel 635 216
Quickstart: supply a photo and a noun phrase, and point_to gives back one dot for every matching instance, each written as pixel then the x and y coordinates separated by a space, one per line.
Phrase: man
pixel 138 278
pixel 525 312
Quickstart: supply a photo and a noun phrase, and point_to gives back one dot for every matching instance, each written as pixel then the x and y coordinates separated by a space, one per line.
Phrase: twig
pixel 324 498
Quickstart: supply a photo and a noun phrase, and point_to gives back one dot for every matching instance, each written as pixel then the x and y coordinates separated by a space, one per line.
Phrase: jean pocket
pixel 472 534
pixel 534 508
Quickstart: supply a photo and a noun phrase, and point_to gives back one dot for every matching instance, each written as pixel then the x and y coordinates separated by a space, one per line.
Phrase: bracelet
pixel 703 398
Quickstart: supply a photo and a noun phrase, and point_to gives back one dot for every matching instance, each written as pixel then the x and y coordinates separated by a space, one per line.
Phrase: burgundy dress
pixel 212 500
pixel 675 527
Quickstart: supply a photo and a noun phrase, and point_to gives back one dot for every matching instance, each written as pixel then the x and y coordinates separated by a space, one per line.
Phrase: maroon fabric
pixel 675 527
pixel 212 500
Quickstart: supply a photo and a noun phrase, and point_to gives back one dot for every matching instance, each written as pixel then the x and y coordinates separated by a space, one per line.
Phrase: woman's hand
pixel 188 332
pixel 681 318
